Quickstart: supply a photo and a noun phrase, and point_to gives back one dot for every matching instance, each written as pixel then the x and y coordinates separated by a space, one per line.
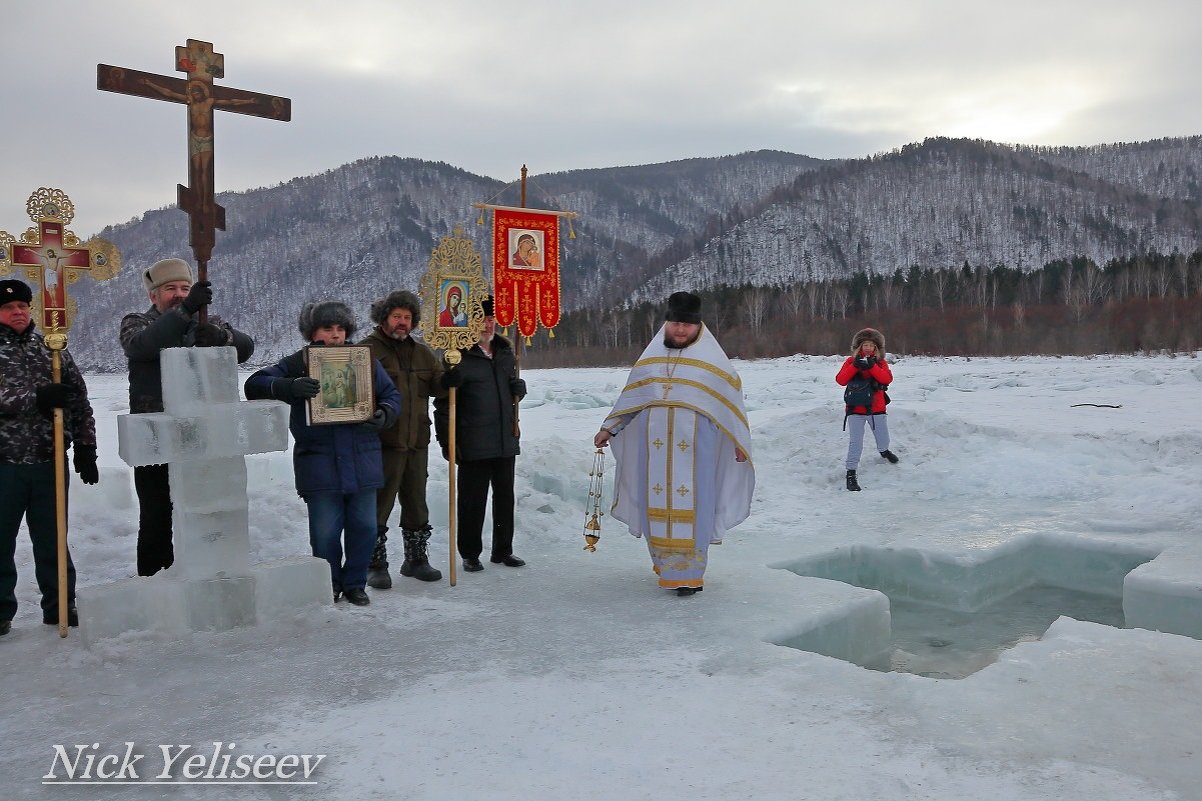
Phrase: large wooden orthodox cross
pixel 202 65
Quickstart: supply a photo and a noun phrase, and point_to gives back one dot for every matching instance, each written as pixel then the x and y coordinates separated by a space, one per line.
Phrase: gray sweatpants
pixel 855 430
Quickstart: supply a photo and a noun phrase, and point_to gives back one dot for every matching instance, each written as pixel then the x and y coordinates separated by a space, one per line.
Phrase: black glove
pixel 517 387
pixel 379 420
pixel 451 379
pixel 85 464
pixel 872 360
pixel 861 363
pixel 199 296
pixel 210 336
pixel 54 396
pixel 293 389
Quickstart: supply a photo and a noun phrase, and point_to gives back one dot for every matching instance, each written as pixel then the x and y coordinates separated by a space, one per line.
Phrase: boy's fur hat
pixel 327 312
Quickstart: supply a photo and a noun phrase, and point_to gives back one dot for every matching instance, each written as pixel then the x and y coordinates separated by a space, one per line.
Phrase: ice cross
pixel 202 97
pixel 204 435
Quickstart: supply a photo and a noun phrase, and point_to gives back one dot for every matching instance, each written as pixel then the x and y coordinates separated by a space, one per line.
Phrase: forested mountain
pixel 764 218
pixel 944 203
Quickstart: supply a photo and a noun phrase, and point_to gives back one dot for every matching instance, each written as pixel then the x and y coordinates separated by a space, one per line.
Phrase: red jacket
pixel 880 372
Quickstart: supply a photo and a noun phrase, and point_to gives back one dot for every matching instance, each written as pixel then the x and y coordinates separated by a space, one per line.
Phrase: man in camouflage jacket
pixel 28 397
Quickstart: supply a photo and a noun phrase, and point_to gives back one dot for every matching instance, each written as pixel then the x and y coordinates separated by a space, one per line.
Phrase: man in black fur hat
pixel 417 373
pixel 170 322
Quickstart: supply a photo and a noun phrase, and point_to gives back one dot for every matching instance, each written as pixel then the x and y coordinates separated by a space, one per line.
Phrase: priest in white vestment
pixel 683 447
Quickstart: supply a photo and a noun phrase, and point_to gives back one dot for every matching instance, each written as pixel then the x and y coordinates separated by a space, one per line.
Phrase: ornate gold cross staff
pixel 202 65
pixel 52 259
pixel 454 269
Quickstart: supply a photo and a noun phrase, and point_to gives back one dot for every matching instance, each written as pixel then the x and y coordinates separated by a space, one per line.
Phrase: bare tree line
pixel 1151 302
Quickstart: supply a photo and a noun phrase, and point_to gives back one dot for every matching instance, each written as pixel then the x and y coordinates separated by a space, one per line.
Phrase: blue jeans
pixel 331 514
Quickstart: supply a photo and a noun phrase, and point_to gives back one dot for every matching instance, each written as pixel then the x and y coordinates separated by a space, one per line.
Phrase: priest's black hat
pixel 683 307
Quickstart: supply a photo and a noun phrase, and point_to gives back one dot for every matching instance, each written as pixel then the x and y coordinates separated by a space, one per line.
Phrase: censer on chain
pixel 592 507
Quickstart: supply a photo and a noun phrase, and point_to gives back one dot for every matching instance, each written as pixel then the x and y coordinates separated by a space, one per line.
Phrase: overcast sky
pixel 488 86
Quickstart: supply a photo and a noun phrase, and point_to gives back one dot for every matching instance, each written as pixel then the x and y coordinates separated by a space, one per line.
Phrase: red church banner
pixel 525 251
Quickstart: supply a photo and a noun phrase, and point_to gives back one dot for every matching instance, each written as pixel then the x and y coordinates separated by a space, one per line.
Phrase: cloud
pixel 567 84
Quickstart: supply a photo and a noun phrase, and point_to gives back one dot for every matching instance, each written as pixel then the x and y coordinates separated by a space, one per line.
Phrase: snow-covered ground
pixel 576 677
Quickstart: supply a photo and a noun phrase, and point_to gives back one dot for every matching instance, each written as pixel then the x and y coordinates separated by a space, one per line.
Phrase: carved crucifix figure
pixel 198 92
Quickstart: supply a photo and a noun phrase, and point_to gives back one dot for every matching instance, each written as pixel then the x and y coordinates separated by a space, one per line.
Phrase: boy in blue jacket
pixel 338 467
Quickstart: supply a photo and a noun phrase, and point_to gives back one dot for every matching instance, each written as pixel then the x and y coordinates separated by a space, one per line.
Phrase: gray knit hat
pixel 868 335
pixel 326 312
pixel 399 299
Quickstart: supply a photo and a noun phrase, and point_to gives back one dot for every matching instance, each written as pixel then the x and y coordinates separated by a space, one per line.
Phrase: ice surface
pixel 215 544
pixel 133 604
pixel 287 586
pixel 568 668
pixel 208 485
pixel 219 604
pixel 196 379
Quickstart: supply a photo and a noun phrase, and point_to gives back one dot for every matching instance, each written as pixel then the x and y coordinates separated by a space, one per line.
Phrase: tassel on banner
pixel 571 230
pixel 528 341
pixel 480 219
pixel 550 333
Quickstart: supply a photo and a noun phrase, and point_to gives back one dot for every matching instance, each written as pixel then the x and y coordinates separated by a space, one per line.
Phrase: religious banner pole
pixel 452 320
pixel 202 97
pixel 526 286
pixel 52 258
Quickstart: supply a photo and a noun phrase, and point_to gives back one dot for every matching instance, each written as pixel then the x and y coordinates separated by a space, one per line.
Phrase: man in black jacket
pixel 485 441
pixel 170 322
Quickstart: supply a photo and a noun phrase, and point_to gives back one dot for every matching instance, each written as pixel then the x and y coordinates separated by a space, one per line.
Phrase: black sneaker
pixel 5 627
pixel 687 591
pixel 472 565
pixel 50 616
pixel 508 561
pixel 891 456
pixel 358 597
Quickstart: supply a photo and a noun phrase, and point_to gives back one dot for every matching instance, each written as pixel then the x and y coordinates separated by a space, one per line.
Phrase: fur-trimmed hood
pixel 868 335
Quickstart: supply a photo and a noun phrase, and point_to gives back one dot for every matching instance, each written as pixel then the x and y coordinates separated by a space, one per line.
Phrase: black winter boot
pixel 852 484
pixel 890 455
pixel 377 569
pixel 417 562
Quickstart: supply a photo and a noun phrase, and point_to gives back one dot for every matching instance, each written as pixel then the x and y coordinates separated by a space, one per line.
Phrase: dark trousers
pixel 474 480
pixel 155 551
pixel 27 490
pixel 405 475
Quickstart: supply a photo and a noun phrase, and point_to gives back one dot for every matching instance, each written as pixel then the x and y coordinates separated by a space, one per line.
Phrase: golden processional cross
pixel 202 97
pixel 53 258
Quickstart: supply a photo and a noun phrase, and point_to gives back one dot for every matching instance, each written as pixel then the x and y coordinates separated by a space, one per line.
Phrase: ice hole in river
pixel 949 615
